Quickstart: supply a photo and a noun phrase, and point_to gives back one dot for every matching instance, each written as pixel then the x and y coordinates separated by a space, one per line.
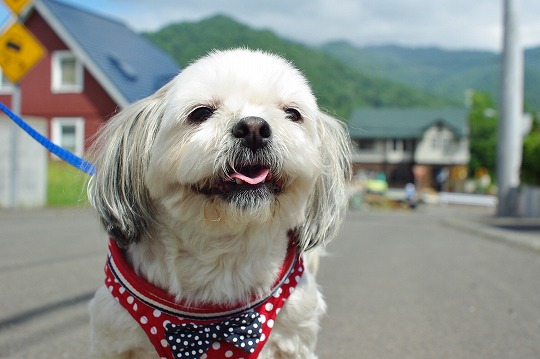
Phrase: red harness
pixel 180 331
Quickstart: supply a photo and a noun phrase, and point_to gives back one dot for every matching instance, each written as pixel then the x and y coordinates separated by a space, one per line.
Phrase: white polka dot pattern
pixel 204 333
pixel 188 338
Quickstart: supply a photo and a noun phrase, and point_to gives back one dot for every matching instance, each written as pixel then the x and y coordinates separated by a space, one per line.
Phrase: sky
pixel 449 24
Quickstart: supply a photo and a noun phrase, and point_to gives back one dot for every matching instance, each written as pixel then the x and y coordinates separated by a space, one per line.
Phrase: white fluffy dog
pixel 212 191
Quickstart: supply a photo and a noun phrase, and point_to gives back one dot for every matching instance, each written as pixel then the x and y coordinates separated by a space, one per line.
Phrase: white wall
pixel 31 165
pixel 441 147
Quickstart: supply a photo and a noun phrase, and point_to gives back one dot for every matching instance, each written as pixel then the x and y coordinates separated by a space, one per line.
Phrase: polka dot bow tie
pixel 192 340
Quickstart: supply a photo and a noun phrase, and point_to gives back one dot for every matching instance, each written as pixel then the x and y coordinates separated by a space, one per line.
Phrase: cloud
pixel 443 23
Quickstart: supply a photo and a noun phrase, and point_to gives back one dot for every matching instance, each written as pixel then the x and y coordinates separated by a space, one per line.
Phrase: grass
pixel 66 186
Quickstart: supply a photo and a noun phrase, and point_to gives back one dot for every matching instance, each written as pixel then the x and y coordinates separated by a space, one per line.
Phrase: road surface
pixel 398 285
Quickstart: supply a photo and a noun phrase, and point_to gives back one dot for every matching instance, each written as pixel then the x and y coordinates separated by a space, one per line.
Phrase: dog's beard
pixel 249 182
pixel 207 188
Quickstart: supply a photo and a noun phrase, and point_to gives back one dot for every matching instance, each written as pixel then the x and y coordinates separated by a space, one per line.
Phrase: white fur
pixel 200 247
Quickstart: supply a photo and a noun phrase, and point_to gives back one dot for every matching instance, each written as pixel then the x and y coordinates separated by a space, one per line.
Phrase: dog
pixel 217 193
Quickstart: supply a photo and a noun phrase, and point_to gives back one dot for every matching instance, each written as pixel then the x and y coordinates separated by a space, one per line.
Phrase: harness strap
pixel 205 331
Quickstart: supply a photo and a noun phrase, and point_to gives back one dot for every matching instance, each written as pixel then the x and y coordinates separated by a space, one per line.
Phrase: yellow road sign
pixel 19 52
pixel 17 5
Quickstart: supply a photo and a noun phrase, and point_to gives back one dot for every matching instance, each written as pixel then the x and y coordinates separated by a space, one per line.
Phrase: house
pixel 428 147
pixel 93 66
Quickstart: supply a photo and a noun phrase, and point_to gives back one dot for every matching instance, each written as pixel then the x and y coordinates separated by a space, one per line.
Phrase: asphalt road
pixel 398 285
pixel 51 263
pixel 401 285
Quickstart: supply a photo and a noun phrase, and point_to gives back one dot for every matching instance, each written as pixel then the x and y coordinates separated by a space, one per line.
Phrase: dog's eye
pixel 293 114
pixel 201 114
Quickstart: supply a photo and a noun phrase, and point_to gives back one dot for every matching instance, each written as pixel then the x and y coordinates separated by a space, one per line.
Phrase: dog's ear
pixel 327 204
pixel 121 154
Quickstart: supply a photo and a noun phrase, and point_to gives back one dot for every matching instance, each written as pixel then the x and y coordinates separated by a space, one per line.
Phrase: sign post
pixel 20 51
pixel 14 174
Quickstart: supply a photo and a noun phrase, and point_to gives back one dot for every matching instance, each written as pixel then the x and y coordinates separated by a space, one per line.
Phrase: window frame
pixel 57 124
pixel 57 82
pixel 365 145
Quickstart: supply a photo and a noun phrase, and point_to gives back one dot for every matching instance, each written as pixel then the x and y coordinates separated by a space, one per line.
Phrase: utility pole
pixel 509 145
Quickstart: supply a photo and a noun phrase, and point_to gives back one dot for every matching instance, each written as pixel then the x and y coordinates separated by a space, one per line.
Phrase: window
pixel 67 73
pixel 365 145
pixel 446 144
pixel 69 134
pixel 435 142
pixel 395 144
pixel 441 140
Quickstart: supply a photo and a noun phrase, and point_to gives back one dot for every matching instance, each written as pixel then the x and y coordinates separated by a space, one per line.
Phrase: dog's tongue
pixel 252 179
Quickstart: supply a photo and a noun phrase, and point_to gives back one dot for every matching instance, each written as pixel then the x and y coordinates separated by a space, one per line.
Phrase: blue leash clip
pixel 74 160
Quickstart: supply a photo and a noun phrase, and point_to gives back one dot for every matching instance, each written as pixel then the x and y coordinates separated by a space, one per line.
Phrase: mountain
pixel 444 73
pixel 338 87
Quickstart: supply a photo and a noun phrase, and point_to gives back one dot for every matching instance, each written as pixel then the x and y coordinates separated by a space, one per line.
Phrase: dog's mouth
pixel 251 175
pixel 244 179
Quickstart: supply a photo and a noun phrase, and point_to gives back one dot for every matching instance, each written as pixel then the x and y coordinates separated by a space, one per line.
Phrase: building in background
pixel 427 147
pixel 93 66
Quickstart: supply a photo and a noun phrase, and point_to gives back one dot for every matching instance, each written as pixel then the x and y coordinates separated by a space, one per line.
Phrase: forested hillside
pixel 339 87
pixel 442 72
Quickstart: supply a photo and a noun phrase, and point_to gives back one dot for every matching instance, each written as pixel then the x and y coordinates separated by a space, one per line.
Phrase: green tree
pixel 483 132
pixel 530 166
pixel 483 121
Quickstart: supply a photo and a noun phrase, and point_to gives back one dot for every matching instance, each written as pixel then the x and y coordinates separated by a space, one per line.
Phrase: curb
pixel 480 228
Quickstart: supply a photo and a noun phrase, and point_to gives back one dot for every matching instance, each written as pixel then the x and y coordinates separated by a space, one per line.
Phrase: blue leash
pixel 64 154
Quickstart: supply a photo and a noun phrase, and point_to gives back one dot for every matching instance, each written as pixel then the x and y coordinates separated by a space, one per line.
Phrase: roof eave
pixel 73 44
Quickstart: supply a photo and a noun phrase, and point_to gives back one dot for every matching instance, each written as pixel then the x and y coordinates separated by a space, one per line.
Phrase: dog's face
pixel 238 141
pixel 235 138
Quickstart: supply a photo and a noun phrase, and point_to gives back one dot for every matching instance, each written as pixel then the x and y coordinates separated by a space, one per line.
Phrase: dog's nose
pixel 253 131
